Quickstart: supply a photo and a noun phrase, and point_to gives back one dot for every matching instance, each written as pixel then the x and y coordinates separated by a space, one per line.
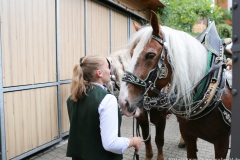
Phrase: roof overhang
pixel 139 7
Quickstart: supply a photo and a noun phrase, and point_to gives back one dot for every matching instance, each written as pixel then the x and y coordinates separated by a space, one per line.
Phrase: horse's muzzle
pixel 135 111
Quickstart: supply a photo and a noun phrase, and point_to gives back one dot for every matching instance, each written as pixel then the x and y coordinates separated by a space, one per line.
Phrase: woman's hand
pixel 135 142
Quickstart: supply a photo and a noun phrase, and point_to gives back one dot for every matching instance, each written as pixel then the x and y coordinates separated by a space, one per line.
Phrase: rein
pixel 116 88
pixel 160 72
pixel 136 156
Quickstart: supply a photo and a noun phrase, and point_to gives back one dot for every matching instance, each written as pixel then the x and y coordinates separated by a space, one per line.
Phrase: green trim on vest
pixel 84 139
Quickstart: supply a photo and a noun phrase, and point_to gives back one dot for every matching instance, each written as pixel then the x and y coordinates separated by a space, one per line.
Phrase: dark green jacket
pixel 84 136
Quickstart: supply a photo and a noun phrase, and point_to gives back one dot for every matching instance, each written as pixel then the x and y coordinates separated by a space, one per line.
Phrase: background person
pixel 228 54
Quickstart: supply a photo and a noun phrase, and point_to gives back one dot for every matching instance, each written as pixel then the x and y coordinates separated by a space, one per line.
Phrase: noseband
pixel 159 72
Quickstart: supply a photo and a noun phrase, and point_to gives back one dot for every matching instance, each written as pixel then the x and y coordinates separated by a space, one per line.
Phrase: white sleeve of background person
pixel 108 111
pixel 229 46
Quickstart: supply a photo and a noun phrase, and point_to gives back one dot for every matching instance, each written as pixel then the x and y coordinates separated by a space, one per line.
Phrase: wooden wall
pixel 28 42
pixel 65 92
pixel 71 35
pixel 98 20
pixel 105 29
pixel 30 119
pixel 41 40
pixel 119 40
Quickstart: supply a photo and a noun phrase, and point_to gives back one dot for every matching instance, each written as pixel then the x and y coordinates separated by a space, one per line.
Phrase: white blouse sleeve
pixel 108 111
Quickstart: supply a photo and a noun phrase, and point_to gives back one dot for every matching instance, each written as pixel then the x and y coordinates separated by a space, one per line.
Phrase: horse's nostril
pixel 128 105
pixel 130 109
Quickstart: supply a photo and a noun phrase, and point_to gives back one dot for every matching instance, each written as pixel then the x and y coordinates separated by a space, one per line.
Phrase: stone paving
pixel 170 149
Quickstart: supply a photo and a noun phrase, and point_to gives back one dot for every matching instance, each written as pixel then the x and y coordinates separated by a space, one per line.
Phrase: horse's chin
pixel 135 113
pixel 126 112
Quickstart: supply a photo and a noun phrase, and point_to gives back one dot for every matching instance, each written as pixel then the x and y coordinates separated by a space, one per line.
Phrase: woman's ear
pixel 98 73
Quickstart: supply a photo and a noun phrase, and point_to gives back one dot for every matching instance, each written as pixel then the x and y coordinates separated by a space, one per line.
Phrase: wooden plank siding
pixel 98 29
pixel 40 42
pixel 65 92
pixel 119 32
pixel 71 33
pixel 28 42
pixel 30 118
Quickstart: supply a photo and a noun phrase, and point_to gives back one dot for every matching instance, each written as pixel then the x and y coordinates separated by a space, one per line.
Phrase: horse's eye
pixel 150 55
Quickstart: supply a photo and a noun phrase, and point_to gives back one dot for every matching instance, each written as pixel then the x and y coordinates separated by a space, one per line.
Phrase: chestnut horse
pixel 119 62
pixel 193 70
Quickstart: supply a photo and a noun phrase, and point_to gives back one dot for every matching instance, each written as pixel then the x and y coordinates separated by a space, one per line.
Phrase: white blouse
pixel 108 111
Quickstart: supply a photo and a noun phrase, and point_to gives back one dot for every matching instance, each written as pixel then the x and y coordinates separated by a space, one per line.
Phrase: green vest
pixel 84 139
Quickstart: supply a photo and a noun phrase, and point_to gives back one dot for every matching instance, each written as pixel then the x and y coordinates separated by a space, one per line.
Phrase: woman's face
pixel 105 69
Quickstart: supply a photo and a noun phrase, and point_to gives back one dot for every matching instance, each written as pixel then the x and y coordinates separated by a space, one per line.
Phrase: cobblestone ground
pixel 170 149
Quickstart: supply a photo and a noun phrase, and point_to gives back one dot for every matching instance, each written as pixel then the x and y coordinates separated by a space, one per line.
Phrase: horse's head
pixel 161 56
pixel 149 70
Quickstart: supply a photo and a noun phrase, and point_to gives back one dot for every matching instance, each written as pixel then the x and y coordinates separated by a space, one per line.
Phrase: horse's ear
pixel 136 26
pixel 154 24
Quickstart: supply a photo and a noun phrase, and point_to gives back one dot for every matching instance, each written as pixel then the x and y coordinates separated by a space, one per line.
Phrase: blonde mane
pixel 119 61
pixel 187 55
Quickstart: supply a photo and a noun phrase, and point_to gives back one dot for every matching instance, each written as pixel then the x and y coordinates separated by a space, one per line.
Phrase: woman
pixel 94 115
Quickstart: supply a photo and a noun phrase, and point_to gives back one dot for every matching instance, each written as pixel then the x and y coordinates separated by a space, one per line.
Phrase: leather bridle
pixel 159 72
